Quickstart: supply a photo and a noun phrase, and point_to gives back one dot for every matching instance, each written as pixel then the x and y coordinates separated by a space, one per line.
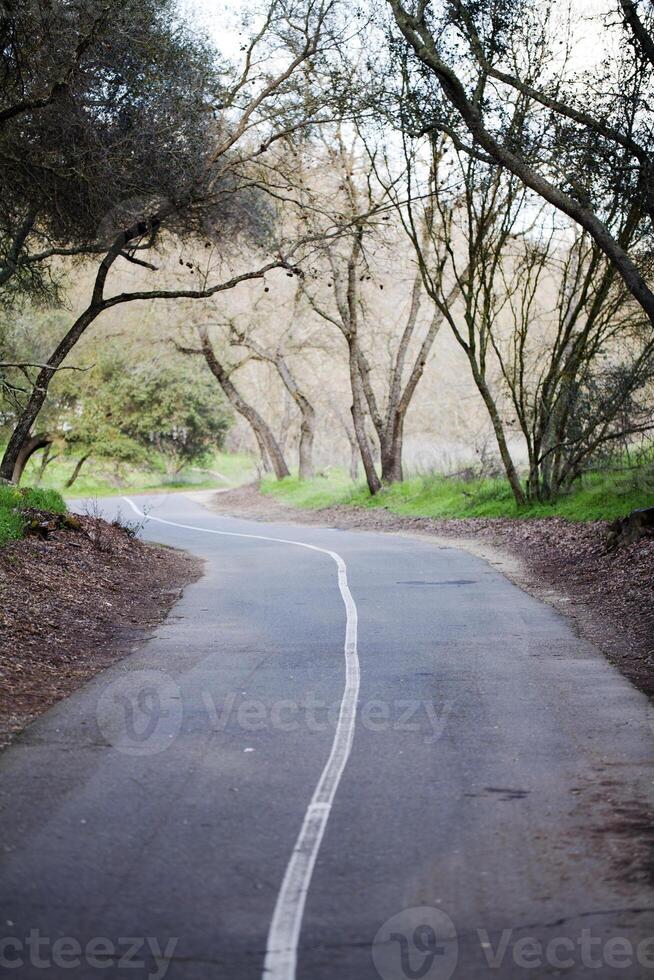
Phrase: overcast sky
pixel 219 19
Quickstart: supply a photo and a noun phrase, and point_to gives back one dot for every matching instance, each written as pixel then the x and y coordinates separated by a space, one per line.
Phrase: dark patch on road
pixel 502 793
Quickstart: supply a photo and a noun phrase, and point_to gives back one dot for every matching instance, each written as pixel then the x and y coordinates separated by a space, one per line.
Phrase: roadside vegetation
pixel 606 495
pixel 288 252
pixel 16 504
pixel 105 478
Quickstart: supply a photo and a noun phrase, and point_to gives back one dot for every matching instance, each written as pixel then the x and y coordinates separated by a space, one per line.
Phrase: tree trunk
pixel 20 436
pixel 76 472
pixel 359 420
pixel 498 429
pixel 27 449
pixel 354 461
pixel 391 450
pixel 285 425
pixel 262 431
pixel 263 452
pixel 46 459
pixel 308 419
pixel 307 435
pixel 390 429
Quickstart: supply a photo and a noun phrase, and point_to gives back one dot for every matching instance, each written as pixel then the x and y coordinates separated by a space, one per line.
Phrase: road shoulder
pixel 74 603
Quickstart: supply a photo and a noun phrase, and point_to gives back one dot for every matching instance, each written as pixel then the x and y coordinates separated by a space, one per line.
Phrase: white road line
pixel 284 933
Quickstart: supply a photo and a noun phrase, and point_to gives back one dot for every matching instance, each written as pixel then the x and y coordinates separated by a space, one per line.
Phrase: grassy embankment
pixel 598 496
pixel 100 478
pixel 15 501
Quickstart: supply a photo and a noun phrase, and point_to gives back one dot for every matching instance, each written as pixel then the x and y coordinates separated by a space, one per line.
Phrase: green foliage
pixel 26 335
pixel 131 413
pixel 123 124
pixel 101 478
pixel 174 409
pixel 14 500
pixel 599 496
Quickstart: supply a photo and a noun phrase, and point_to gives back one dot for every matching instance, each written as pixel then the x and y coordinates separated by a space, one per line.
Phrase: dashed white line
pixel 284 933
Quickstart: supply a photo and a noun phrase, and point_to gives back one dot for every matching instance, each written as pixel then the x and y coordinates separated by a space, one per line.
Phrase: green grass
pixel 322 491
pixel 14 500
pixel 100 478
pixel 598 496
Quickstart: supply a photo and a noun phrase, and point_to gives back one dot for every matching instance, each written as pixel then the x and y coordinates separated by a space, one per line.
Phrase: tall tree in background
pixel 352 268
pixel 557 347
pixel 278 357
pixel 469 65
pixel 219 136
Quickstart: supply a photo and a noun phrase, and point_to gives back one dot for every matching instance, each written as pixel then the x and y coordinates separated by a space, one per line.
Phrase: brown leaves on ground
pixel 73 599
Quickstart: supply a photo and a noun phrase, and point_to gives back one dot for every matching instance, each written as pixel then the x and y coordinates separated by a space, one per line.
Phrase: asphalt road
pixel 213 807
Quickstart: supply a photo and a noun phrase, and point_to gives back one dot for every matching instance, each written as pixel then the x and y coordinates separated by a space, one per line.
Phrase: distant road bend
pixel 344 755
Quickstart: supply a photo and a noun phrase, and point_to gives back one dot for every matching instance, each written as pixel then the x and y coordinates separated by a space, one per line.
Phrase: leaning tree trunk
pixel 76 472
pixel 307 435
pixel 21 434
pixel 307 411
pixel 27 449
pixel 354 448
pixel 268 445
pixel 502 445
pixel 262 431
pixel 46 459
pixel 359 420
pixel 266 466
pixel 354 461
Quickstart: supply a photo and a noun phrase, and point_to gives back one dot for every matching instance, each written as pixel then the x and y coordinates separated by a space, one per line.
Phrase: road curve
pixel 234 800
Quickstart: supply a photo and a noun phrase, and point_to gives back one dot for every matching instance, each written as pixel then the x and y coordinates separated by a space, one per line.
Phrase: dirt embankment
pixel 71 604
pixel 608 595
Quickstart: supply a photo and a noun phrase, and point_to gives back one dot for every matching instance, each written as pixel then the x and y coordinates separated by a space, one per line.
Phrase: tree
pixel 136 413
pixel 468 66
pixel 356 265
pixel 103 108
pixel 222 188
pixel 268 444
pixel 169 409
pixel 279 359
pixel 556 345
